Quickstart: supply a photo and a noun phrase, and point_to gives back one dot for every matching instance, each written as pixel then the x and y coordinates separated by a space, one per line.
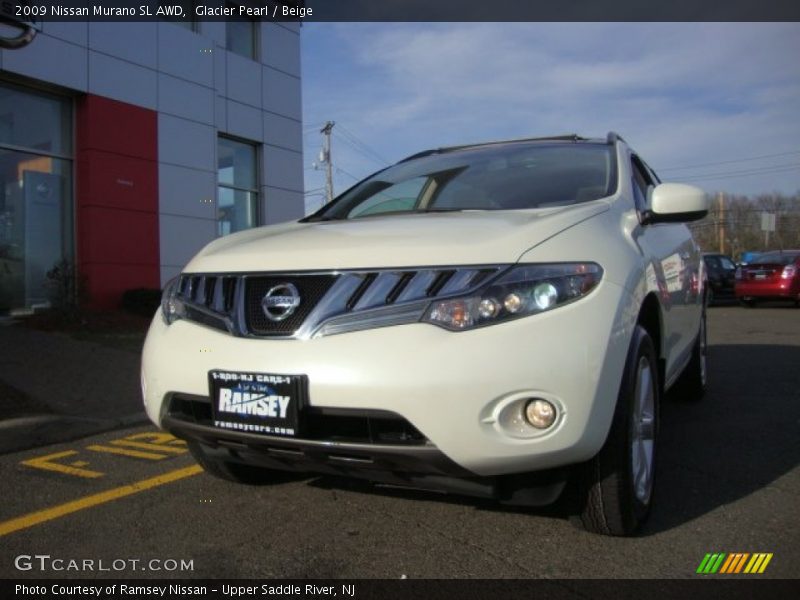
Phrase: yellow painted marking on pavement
pixel 126 452
pixel 155 437
pixel 47 463
pixel 149 446
pixel 765 563
pixel 61 510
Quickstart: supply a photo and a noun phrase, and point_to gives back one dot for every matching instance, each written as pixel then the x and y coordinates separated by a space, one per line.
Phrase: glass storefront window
pixel 36 214
pixel 35 122
pixel 240 34
pixel 237 193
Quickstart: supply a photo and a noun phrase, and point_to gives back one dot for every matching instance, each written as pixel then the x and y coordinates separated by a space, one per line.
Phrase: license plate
pixel 257 402
pixel 761 276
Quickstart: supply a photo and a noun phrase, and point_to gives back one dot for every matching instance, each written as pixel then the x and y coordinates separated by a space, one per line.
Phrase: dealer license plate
pixel 257 402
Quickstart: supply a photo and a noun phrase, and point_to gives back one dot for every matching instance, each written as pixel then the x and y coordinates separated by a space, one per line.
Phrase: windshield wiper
pixel 390 213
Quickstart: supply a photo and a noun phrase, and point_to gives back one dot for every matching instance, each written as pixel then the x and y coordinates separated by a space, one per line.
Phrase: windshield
pixel 775 258
pixel 498 177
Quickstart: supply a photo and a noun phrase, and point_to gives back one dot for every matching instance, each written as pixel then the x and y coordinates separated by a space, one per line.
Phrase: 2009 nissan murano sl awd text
pixel 495 320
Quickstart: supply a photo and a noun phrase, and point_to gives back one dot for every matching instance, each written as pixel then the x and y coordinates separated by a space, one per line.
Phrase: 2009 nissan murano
pixel 484 320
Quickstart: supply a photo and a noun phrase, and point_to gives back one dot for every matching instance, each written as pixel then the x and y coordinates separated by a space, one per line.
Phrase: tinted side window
pixel 727 264
pixel 641 183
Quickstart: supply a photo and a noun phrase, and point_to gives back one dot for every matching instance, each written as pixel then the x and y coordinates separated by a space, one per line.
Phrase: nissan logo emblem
pixel 280 301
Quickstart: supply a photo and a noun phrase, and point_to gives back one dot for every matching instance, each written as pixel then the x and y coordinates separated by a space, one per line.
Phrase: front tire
pixel 617 484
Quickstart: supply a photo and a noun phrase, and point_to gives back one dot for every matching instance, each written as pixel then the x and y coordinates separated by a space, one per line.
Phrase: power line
pixel 360 151
pixel 340 170
pixel 727 162
pixel 744 173
pixel 365 149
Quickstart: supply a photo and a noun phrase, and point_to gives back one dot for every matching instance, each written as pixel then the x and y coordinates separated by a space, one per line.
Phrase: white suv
pixel 482 320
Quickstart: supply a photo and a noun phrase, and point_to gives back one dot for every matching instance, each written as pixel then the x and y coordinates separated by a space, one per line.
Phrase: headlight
pixel 172 307
pixel 522 291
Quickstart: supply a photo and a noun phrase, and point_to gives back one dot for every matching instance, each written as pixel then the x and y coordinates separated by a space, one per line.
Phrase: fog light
pixel 540 413
pixel 545 295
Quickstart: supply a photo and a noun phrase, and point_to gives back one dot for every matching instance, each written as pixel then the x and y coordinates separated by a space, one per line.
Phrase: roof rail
pixel 571 137
pixel 613 137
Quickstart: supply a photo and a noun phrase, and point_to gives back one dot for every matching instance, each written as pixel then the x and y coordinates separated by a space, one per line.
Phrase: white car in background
pixel 483 320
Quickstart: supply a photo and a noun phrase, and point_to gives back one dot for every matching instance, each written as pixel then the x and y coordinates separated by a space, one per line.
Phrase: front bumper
pixel 449 386
pixel 422 467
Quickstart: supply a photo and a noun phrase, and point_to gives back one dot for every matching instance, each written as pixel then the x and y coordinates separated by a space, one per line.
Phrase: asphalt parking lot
pixel 133 502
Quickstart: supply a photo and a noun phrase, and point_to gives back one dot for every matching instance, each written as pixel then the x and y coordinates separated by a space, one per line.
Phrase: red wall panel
pixel 117 127
pixel 118 181
pixel 116 198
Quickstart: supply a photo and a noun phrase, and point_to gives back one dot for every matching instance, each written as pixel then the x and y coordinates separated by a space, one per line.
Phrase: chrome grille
pixel 311 287
pixel 331 302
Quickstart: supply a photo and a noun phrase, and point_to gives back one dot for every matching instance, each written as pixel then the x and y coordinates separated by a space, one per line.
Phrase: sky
pixel 713 104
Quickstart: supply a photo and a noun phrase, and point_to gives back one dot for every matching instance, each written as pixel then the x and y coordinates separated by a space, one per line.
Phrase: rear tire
pixel 616 486
pixel 231 471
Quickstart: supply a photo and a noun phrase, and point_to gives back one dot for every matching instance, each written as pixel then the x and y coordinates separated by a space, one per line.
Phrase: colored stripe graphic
pixel 739 566
pixel 715 567
pixel 711 563
pixel 727 565
pixel 767 558
pixel 703 563
pixel 734 563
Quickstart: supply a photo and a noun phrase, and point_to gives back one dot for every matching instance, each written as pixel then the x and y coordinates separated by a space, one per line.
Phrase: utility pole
pixel 325 157
pixel 721 223
pixel 766 239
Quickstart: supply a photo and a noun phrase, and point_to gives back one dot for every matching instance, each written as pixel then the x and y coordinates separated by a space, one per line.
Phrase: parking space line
pixel 126 452
pixel 55 512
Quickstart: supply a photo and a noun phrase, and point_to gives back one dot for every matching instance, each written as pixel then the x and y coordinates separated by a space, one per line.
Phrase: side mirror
pixel 677 203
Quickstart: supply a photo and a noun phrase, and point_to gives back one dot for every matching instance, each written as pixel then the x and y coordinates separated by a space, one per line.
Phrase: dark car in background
pixel 771 276
pixel 721 277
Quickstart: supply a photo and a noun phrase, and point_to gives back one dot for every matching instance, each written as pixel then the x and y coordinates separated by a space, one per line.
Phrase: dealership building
pixel 126 147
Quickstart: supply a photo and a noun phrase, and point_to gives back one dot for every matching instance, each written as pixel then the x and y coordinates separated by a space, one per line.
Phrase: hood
pixel 411 240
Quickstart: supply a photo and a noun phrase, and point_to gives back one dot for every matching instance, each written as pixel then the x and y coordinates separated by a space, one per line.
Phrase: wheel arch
pixel 651 319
